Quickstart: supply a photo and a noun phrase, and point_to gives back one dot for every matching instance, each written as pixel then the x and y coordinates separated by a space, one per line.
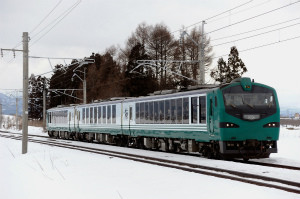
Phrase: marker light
pixel 272 125
pixel 228 125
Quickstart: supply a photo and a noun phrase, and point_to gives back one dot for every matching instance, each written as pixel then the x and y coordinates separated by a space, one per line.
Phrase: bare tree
pixel 191 50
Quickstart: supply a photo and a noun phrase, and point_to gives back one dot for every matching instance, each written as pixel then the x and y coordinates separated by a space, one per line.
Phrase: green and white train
pixel 236 120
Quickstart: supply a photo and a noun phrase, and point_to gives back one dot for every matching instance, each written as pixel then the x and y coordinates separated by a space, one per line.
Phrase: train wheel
pixel 122 141
pixel 140 143
pixel 67 135
pixel 207 152
pixel 50 133
pixel 246 159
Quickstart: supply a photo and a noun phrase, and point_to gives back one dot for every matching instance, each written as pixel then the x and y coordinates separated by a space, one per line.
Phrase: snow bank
pixel 51 172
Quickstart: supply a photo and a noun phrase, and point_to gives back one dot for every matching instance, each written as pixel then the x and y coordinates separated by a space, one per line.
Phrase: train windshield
pixel 249 105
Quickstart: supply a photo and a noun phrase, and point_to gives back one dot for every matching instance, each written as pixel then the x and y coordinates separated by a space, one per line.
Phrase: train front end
pixel 249 120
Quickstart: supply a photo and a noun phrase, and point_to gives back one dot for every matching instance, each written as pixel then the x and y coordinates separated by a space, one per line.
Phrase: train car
pixel 236 120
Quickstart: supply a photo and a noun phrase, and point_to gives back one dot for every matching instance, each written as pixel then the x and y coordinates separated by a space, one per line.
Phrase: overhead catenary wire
pixel 214 16
pixel 62 16
pixel 261 46
pixel 247 9
pixel 236 7
pixel 257 29
pixel 66 13
pixel 45 17
pixel 18 44
pixel 251 36
pixel 39 57
pixel 253 17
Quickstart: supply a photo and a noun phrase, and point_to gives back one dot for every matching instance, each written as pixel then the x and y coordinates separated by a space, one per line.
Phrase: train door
pixel 127 117
pixel 130 117
pixel 76 119
pixel 70 119
pixel 211 115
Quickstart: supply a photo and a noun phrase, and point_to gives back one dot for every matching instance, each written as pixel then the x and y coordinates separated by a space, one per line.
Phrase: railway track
pixel 254 179
pixel 268 164
pixel 235 160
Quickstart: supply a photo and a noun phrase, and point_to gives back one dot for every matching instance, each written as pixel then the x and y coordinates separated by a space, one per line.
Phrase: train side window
pixel 202 107
pixel 91 115
pixel 142 113
pixel 95 115
pixel 161 111
pixel 83 115
pixel 186 111
pixel 173 111
pixel 194 109
pixel 130 112
pixel 168 111
pixel 99 114
pixel 146 112
pixel 137 113
pixel 87 115
pixel 216 101
pixel 104 115
pixel 151 112
pixel 109 114
pixel 179 110
pixel 156 116
pixel 114 113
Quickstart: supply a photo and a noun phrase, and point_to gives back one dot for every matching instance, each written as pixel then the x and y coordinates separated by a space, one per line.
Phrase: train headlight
pixel 272 125
pixel 228 125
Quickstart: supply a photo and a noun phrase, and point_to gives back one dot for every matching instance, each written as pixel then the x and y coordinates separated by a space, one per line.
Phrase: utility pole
pixel 201 57
pixel 17 111
pixel 44 106
pixel 84 88
pixel 25 90
pixel 25 94
pixel 0 115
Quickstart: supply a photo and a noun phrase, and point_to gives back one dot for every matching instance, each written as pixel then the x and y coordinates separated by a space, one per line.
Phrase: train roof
pixel 155 95
pixel 191 90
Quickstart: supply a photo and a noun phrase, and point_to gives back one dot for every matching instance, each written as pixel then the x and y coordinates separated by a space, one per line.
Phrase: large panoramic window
pixel 249 105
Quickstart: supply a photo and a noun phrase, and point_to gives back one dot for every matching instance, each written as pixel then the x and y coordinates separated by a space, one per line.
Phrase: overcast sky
pixel 94 25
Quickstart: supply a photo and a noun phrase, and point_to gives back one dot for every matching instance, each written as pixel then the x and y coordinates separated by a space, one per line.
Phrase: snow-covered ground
pixel 51 172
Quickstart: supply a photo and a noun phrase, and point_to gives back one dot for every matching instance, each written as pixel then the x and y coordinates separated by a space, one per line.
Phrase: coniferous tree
pixel 138 81
pixel 235 68
pixel 36 88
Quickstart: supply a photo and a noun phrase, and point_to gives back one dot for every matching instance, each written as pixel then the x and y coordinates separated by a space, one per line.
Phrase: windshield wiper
pixel 250 105
pixel 232 105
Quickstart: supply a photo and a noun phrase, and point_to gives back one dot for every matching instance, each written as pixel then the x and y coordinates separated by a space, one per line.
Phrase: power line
pixel 256 16
pixel 261 46
pixel 18 44
pixel 257 5
pixel 38 57
pixel 256 35
pixel 220 13
pixel 66 13
pixel 210 17
pixel 45 17
pixel 255 29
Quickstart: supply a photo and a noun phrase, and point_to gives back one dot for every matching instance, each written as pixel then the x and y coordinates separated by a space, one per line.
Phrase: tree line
pixel 116 73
